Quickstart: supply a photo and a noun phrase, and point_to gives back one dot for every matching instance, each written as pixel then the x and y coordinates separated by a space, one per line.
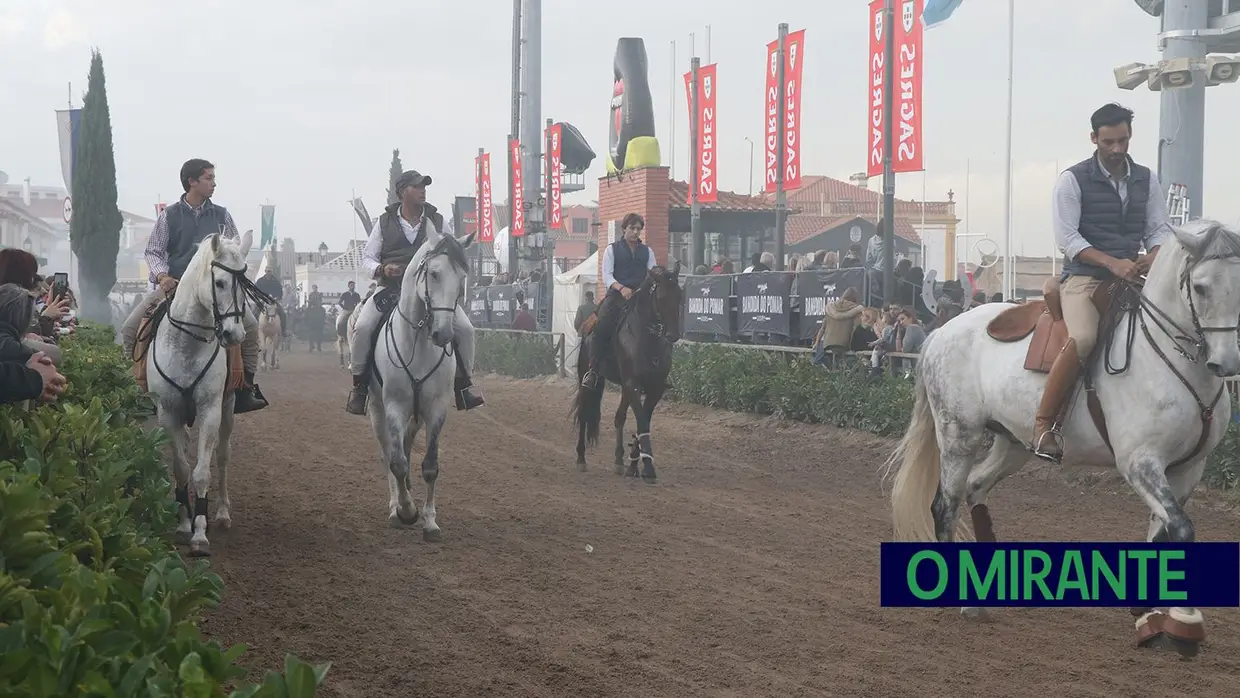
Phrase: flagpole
pixel 1009 286
pixel 352 202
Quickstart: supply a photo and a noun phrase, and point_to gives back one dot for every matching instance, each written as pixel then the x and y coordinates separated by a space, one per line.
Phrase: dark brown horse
pixel 640 360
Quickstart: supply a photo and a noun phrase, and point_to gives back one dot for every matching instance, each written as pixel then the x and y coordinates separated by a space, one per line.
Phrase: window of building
pixel 581 226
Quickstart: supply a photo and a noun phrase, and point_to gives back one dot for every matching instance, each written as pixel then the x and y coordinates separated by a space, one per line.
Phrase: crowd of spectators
pixel 32 321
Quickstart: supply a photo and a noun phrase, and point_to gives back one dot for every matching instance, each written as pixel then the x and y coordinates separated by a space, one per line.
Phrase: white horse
pixel 187 370
pixel 971 428
pixel 344 330
pixel 411 383
pixel 270 334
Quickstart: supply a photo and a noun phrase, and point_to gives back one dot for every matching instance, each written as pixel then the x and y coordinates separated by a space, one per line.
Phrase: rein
pixel 1134 304
pixel 422 275
pixel 242 290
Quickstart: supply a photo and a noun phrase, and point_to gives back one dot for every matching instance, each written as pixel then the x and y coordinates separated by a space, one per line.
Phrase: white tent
pixel 570 290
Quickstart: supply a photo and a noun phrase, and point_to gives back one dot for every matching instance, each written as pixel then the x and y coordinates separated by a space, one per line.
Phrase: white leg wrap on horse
pixel 1188 616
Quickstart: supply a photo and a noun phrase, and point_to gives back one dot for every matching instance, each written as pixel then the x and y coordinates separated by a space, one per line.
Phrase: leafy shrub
pixel 740 379
pixel 94 599
pixel 516 354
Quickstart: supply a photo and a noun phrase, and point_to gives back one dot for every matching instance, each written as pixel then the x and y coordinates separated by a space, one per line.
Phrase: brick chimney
pixel 644 191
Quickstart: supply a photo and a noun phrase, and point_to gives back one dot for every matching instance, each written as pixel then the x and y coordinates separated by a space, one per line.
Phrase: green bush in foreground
pixel 94 599
pixel 739 379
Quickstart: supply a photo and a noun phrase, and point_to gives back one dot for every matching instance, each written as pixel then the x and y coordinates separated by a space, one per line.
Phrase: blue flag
pixel 938 11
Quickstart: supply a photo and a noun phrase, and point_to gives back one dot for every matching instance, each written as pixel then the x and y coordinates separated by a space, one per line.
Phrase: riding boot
pixel 1060 385
pixel 249 397
pixel 467 396
pixel 358 395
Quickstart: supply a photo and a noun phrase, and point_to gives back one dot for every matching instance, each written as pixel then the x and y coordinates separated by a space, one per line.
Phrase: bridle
pixel 421 275
pixel 1133 302
pixel 242 290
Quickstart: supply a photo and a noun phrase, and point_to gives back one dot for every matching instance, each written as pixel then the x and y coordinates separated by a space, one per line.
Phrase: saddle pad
pixel 588 325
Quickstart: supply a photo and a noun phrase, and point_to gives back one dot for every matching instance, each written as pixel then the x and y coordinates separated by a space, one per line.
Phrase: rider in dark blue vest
pixel 625 264
pixel 1104 210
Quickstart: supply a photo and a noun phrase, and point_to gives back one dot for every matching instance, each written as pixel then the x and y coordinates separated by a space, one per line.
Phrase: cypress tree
pixel 95 230
pixel 394 174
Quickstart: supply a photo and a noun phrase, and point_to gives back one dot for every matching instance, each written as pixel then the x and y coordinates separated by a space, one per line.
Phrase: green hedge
pixel 789 386
pixel 517 354
pixel 94 598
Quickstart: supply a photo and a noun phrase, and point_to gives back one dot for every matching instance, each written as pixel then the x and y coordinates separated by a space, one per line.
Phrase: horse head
pixel 663 286
pixel 215 278
pixel 1205 268
pixel 436 277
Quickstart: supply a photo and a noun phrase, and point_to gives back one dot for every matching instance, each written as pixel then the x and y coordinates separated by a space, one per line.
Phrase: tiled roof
pixel 815 189
pixel 678 195
pixel 348 260
pixel 802 227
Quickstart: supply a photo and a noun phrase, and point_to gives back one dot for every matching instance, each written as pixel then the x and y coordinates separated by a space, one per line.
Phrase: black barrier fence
pixel 782 307
pixel 494 307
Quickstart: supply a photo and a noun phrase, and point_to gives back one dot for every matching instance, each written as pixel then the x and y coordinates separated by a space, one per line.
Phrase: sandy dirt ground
pixel 750 569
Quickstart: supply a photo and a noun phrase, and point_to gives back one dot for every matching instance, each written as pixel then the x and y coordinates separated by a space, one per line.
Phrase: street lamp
pixel 322 253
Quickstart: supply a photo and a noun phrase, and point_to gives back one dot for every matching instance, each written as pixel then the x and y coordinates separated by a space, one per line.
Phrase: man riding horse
pixel 269 284
pixel 349 300
pixel 398 234
pixel 1104 209
pixel 625 265
pixel 173 242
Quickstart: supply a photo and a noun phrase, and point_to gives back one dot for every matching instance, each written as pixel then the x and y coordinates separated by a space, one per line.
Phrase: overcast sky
pixel 302 102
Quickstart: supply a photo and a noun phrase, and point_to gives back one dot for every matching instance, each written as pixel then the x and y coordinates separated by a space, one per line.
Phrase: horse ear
pixel 247 241
pixel 215 243
pixel 676 269
pixel 1197 234
pixel 467 240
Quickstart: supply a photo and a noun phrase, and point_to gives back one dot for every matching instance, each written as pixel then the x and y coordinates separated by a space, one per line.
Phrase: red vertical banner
pixel 486 227
pixel 517 215
pixel 553 157
pixel 908 69
pixel 874 92
pixel 794 58
pixel 790 93
pixel 771 122
pixel 708 143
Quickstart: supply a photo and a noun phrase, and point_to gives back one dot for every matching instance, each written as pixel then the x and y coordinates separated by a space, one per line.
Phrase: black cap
pixel 411 178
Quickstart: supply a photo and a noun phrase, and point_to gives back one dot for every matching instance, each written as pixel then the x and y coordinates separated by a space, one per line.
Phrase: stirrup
pixel 1057 439
pixel 590 379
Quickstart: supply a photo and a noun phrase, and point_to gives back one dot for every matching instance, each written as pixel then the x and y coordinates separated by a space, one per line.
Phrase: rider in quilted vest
pixel 1104 210
pixel 396 237
pixel 173 242
pixel 625 263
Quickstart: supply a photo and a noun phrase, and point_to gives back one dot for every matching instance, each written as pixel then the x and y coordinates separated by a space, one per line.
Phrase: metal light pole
pixel 889 175
pixel 697 241
pixel 747 139
pixel 1009 264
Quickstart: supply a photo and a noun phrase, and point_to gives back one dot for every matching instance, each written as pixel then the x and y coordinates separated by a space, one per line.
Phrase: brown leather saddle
pixel 1044 320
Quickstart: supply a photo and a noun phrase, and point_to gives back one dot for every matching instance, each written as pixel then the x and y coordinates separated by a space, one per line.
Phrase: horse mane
pixel 451 247
pixel 199 267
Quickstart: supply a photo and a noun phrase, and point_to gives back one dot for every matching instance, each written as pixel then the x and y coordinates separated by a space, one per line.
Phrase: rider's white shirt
pixel 1066 212
pixel 374 244
pixel 609 265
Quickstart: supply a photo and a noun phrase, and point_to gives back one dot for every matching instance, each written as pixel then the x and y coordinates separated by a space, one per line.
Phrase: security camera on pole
pixel 1191 42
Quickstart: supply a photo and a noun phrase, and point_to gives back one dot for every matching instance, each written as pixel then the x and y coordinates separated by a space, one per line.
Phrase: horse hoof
pixel 224 523
pixel 581 465
pixel 183 537
pixel 975 614
pixel 199 549
pixel 650 479
pixel 1158 630
pixel 432 535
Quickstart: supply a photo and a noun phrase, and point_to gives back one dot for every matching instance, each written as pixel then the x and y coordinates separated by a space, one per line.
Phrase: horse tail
pixel 917 480
pixel 588 405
